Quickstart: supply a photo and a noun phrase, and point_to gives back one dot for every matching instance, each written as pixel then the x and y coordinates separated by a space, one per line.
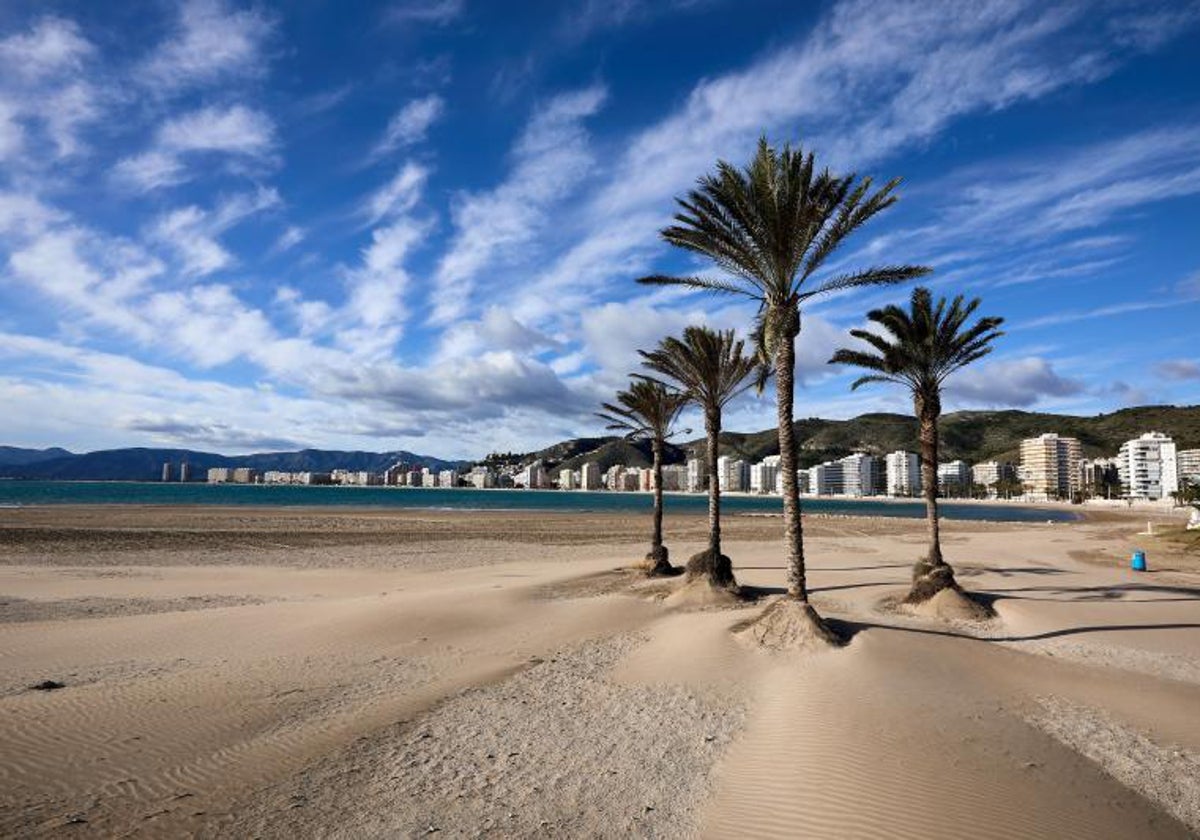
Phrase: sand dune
pixel 519 687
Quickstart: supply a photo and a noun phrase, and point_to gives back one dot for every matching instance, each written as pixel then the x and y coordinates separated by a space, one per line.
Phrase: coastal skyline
pixel 244 227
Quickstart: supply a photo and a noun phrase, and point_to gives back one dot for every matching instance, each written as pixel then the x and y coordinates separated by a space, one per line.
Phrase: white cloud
pixel 399 195
pixel 211 43
pixel 25 215
pixel 1016 382
pixel 549 160
pixel 192 233
pixel 47 91
pixel 289 239
pixel 410 124
pixel 52 46
pixel 1178 369
pixel 435 12
pixel 235 130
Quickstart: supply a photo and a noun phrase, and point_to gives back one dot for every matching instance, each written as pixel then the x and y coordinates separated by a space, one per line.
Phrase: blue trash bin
pixel 1138 563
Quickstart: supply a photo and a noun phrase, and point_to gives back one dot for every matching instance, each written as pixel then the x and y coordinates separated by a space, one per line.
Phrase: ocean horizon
pixel 20 493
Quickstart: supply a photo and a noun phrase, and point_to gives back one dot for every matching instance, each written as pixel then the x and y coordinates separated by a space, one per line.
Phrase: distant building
pixel 674 477
pixel 448 478
pixel 1148 467
pixel 954 478
pixel 827 479
pixel 903 474
pixel 166 471
pixel 533 476
pixel 1188 461
pixel 763 474
pixel 244 475
pixel 1050 466
pixel 219 475
pixel 1100 477
pixel 428 477
pixel 567 480
pixel 589 476
pixel 734 474
pixel 185 472
pixel 481 478
pixel 860 474
pixel 991 473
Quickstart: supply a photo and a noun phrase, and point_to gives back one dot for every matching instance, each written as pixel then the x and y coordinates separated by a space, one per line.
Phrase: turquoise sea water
pixel 149 493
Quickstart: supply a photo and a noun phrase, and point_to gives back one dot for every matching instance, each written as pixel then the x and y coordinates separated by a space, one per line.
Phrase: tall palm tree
pixel 709 368
pixel 648 411
pixel 919 349
pixel 771 227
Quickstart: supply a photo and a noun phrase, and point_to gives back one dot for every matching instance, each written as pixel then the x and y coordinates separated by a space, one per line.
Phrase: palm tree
pixel 708 368
pixel 648 411
pixel 920 349
pixel 771 227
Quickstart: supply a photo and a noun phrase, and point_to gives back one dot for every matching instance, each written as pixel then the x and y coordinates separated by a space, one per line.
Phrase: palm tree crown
pixel 707 367
pixel 924 345
pixel 646 410
pixel 771 226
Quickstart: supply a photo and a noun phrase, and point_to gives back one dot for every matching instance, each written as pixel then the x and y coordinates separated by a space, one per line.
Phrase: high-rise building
pixel 1188 462
pixel 589 476
pixel 827 479
pixel 166 471
pixel 734 473
pixel 566 480
pixel 533 476
pixel 860 474
pixel 218 475
pixel 481 478
pixel 1100 477
pixel 1050 466
pixel 763 474
pixel 185 472
pixel 697 474
pixel 991 473
pixel 903 474
pixel 1148 467
pixel 954 478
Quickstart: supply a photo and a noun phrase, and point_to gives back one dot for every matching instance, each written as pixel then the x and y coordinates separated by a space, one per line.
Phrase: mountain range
pixel 141 464
pixel 972 436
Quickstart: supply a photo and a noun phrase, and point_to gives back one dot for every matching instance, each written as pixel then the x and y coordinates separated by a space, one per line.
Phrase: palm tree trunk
pixel 932 573
pixel 785 369
pixel 712 429
pixel 656 542
pixel 658 560
pixel 929 480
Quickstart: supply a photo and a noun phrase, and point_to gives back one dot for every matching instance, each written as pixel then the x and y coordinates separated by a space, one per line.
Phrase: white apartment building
pixel 614 477
pixel 697 475
pixel 1050 466
pixel 903 470
pixel 763 475
pixel 533 477
pixel 589 476
pixel 989 473
pixel 1188 464
pixel 481 478
pixel 674 477
pixel 734 473
pixel 567 480
pixel 827 479
pixel 218 475
pixel 860 474
pixel 954 478
pixel 1148 467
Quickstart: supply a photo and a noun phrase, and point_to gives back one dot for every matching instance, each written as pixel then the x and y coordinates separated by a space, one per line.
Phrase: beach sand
pixel 351 673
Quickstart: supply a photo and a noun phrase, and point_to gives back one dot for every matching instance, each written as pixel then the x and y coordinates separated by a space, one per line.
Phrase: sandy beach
pixel 350 673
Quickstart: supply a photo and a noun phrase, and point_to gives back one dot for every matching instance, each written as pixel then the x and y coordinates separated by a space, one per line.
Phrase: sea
pixel 19 493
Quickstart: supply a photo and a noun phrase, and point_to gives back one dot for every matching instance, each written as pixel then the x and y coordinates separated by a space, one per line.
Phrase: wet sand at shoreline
pixel 273 672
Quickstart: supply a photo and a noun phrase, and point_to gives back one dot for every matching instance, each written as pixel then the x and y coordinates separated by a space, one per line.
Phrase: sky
pixel 417 225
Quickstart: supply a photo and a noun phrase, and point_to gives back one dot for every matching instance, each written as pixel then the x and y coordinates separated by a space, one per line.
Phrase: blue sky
pixel 416 224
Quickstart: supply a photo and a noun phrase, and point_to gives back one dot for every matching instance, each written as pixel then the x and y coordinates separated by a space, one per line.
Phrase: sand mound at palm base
pixel 789 624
